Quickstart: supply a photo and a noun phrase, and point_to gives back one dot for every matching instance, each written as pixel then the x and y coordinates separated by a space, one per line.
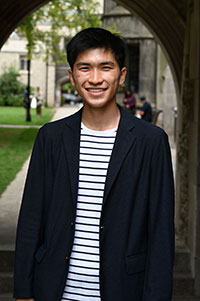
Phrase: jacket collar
pixel 123 142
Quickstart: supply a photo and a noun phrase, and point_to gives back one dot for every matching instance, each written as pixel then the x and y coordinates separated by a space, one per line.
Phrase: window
pixel 23 65
pixel 133 66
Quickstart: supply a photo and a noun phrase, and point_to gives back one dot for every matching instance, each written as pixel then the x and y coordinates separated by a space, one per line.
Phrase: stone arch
pixel 59 83
pixel 154 14
pixel 170 34
pixel 173 23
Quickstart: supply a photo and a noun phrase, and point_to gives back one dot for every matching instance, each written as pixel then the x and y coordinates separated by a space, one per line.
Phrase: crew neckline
pixel 95 131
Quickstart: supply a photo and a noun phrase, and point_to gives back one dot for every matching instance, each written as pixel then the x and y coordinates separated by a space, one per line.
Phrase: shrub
pixel 11 89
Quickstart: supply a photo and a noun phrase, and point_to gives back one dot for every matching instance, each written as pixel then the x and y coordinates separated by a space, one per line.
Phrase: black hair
pixel 91 38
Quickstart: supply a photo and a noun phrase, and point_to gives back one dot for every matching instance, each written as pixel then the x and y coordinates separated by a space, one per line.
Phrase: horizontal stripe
pixel 95 193
pixel 85 249
pixel 97 151
pixel 81 291
pixel 89 206
pixel 82 255
pixel 88 235
pixel 83 271
pixel 83 135
pixel 84 282
pixel 82 241
pixel 84 295
pixel 82 288
pixel 83 285
pixel 84 259
pixel 89 228
pixel 96 146
pixel 93 157
pixel 92 178
pixel 80 298
pixel 84 268
pixel 90 142
pixel 90 213
pixel 90 199
pixel 92 164
pixel 91 185
pixel 87 221
pixel 86 278
pixel 93 171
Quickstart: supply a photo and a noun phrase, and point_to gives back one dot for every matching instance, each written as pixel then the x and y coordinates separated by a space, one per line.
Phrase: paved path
pixel 11 198
pixel 19 126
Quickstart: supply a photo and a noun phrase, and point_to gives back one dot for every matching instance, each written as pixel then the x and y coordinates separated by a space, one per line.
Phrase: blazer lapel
pixel 71 139
pixel 124 140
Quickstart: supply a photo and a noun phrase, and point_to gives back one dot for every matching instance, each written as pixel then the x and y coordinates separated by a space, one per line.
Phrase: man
pixel 145 112
pixel 38 97
pixel 96 221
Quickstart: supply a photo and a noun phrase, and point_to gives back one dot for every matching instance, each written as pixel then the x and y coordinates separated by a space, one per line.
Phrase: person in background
pixel 38 97
pixel 130 101
pixel 27 104
pixel 145 111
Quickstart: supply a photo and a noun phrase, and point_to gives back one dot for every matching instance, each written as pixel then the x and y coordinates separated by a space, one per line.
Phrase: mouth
pixel 96 90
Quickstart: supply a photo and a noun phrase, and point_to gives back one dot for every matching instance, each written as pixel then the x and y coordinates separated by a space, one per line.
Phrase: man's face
pixel 96 76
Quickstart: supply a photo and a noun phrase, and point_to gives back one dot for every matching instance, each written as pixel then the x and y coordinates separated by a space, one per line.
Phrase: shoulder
pixel 50 135
pixel 147 131
pixel 56 128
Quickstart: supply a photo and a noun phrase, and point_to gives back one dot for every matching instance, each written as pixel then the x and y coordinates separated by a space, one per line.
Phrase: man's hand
pixel 25 300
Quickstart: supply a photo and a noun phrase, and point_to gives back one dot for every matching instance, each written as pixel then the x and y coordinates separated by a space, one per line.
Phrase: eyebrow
pixel 102 63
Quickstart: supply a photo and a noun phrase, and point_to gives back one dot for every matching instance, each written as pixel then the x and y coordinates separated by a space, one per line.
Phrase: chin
pixel 97 104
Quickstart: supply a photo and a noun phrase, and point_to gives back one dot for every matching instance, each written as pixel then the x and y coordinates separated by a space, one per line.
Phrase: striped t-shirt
pixel 83 277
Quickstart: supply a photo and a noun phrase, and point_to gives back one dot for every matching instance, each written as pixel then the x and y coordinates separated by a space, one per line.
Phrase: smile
pixel 97 90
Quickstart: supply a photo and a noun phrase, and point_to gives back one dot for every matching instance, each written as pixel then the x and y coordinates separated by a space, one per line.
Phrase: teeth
pixel 95 90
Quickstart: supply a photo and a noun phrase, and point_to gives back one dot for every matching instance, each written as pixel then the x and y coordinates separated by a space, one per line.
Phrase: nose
pixel 95 77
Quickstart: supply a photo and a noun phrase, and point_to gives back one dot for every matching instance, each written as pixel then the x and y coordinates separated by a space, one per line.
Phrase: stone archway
pixel 173 23
pixel 154 14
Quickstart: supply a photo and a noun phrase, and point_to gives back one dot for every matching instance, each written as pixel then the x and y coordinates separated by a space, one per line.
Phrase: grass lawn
pixel 15 147
pixel 16 115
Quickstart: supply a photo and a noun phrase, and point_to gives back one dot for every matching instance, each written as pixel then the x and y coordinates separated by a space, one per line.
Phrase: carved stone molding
pixel 183 159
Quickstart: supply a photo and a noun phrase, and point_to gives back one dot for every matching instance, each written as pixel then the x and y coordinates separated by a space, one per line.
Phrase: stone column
pixel 188 153
pixel 147 69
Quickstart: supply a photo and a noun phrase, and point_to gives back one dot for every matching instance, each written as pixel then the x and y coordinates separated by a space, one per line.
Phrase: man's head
pixel 143 99
pixel 92 38
pixel 96 58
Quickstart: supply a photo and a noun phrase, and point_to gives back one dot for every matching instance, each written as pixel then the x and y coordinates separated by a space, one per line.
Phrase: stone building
pixel 42 74
pixel 147 70
pixel 141 75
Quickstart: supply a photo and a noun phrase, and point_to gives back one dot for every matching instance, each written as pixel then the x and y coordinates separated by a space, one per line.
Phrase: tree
pixel 11 89
pixel 59 14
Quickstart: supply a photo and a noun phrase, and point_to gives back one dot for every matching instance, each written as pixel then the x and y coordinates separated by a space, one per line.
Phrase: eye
pixel 84 68
pixel 107 68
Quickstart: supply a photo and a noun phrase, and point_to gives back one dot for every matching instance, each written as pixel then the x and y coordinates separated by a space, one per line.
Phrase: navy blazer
pixel 137 220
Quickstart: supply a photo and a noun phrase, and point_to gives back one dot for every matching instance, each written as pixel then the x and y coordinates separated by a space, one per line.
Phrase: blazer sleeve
pixel 160 252
pixel 30 221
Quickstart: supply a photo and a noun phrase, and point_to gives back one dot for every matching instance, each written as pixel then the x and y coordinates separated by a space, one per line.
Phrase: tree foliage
pixel 57 16
pixel 11 89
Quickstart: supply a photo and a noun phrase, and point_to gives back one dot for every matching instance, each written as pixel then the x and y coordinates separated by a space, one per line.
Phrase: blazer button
pixel 102 227
pixel 67 258
pixel 72 224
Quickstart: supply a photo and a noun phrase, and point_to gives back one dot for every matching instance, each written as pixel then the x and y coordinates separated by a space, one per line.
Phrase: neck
pixel 101 119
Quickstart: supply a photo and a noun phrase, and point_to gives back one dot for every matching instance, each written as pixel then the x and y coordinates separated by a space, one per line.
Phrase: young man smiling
pixel 101 225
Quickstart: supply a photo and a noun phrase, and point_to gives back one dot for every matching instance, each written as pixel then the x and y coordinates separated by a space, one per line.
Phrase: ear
pixel 122 75
pixel 71 77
